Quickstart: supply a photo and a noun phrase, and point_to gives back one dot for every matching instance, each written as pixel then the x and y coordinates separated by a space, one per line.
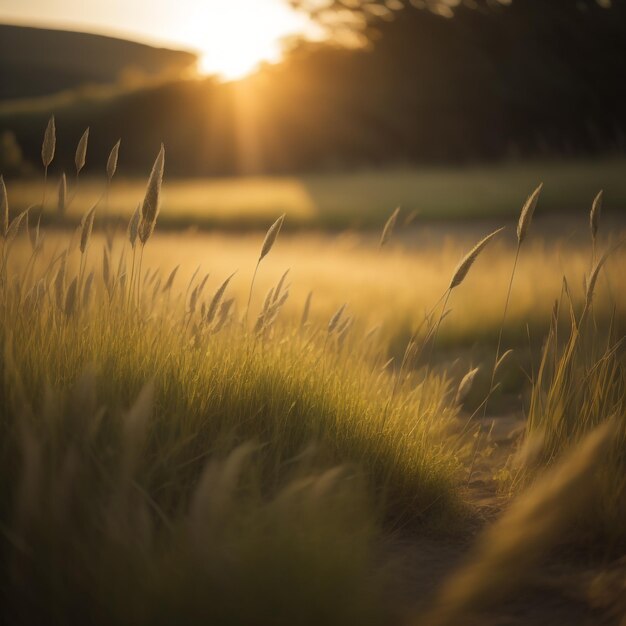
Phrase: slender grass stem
pixel 499 344
pixel 245 319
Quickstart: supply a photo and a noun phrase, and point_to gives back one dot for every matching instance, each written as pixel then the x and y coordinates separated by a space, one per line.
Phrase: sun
pixel 235 57
pixel 239 36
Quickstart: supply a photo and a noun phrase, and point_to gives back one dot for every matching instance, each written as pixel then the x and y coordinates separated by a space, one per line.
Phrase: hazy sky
pixel 231 35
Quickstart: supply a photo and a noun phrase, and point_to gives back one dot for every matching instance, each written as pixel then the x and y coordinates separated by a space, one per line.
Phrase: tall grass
pixel 579 385
pixel 163 460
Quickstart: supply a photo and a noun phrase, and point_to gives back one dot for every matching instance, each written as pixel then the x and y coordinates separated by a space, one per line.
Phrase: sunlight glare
pixel 238 37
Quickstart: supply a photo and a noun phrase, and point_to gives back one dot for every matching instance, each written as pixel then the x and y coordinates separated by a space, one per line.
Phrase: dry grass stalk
pixel 87 289
pixel 503 358
pixel 306 310
pixel 112 160
pixel 279 286
pixel 268 243
pixel 342 331
pixel 466 385
pixel 590 283
pixel 270 237
pixel 49 143
pixel 33 233
pixel 86 226
pixel 526 215
pixel 170 279
pixel 216 300
pixel 70 298
pixel 62 194
pixel 145 231
pixel 594 222
pixel 59 281
pixel 133 226
pixel 334 320
pixel 152 198
pixel 223 315
pixel 389 226
pixel 106 269
pixel 594 215
pixel 81 151
pixel 468 260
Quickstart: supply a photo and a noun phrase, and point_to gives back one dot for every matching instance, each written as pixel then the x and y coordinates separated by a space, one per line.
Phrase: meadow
pixel 192 419
pixel 335 201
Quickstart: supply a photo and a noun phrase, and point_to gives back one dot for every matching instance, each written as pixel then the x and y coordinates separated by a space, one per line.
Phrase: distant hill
pixel 37 62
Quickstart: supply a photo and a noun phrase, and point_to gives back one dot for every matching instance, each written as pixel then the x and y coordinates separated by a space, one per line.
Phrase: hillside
pixel 36 62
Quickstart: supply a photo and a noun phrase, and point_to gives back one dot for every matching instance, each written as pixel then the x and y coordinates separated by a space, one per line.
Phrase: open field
pixel 406 427
pixel 362 199
pixel 320 323
pixel 148 417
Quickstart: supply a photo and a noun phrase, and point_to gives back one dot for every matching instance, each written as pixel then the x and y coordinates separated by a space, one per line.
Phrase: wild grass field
pixel 288 428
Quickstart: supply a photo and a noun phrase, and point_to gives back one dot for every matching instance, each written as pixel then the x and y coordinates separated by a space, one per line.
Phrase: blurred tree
pixel 362 14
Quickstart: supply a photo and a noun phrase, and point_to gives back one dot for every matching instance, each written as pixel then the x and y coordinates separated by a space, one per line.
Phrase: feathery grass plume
pixel 14 226
pixel 342 331
pixel 590 284
pixel 507 551
pixel 81 151
pixel 4 207
pixel 203 283
pixel 106 268
pixel 270 237
pixel 145 231
pixel 526 215
pixel 274 301
pixel 468 260
pixel 410 218
pixel 170 279
pixel 217 299
pixel 336 317
pixel 152 198
pixel 193 300
pixel 594 218
pixel 112 160
pixel 59 281
pixel 62 194
pixel 33 233
pixel 279 286
pixel 49 143
pixel 264 315
pixel 306 310
pixel 466 385
pixel 133 226
pixel 268 243
pixel 502 359
pixel 70 298
pixel 223 315
pixel 86 226
pixel 276 307
pixel 594 215
pixel 87 289
pixel 389 226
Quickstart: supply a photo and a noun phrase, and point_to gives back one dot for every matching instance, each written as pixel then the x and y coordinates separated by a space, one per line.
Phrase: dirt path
pixel 560 591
